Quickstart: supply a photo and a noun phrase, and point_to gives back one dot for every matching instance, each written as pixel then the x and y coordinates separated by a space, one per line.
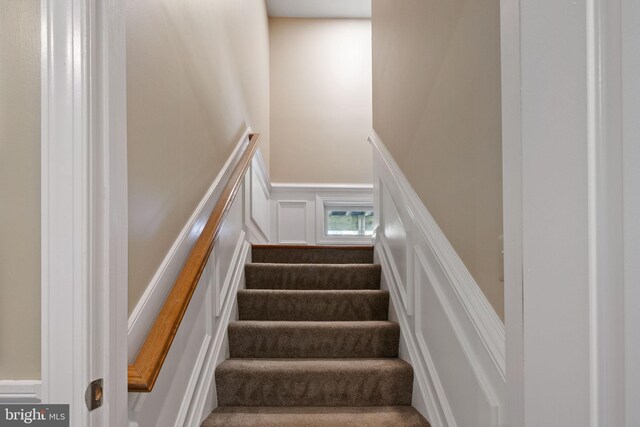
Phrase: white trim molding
pixel 293 223
pixel 572 195
pixel 198 409
pixel 83 206
pixel 19 391
pixel 631 205
pixel 512 208
pixel 182 393
pixel 430 400
pixel 257 214
pixel 447 323
pixel 309 228
pixel 324 201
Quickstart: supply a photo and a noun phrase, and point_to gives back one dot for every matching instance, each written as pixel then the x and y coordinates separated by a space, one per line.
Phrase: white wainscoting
pixel 297 212
pixel 184 393
pixel 257 199
pixel 450 333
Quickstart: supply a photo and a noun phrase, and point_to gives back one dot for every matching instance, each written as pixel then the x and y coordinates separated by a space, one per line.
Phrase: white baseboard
pixel 20 391
pixel 147 308
pixel 460 364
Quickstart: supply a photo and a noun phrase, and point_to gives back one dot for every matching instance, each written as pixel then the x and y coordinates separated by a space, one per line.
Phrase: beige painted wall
pixel 436 105
pixel 196 72
pixel 19 189
pixel 320 100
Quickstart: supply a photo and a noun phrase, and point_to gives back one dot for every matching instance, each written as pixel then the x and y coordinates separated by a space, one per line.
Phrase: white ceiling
pixel 320 8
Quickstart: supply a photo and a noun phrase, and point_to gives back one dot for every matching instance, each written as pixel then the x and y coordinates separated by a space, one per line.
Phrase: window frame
pixel 323 202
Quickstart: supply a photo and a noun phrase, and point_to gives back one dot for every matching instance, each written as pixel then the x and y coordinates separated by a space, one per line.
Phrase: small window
pixel 348 221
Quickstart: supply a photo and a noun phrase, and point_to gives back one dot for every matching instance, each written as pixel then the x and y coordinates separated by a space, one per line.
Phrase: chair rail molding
pixel 447 323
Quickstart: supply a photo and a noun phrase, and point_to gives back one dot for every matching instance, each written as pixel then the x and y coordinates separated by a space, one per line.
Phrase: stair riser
pixel 304 341
pixel 314 388
pixel 313 306
pixel 307 255
pixel 312 277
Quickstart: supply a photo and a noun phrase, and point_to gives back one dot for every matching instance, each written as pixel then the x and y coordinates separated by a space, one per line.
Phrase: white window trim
pixel 322 202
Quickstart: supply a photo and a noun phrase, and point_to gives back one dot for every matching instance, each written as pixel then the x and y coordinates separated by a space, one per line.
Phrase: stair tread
pixel 313 345
pixel 314 382
pixel 312 339
pixel 314 365
pixel 305 276
pixel 372 416
pixel 313 305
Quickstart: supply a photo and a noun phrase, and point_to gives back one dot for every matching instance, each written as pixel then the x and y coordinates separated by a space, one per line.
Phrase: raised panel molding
pixel 313 196
pixel 293 217
pixel 436 322
pixel 222 286
pixel 455 339
pixel 396 243
pixel 258 194
pixel 425 375
pixel 197 404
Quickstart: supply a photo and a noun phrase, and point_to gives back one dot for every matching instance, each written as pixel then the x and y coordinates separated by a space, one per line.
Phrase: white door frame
pixel 631 195
pixel 563 188
pixel 84 211
pixel 512 209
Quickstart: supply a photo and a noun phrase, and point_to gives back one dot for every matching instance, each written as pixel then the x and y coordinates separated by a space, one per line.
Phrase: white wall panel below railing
pixel 450 333
pixel 257 214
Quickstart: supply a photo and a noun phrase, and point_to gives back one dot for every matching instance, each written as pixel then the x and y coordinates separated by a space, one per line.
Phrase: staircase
pixel 313 346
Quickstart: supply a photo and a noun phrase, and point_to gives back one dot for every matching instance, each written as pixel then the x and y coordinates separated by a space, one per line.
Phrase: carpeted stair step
pixel 259 339
pixel 312 254
pixel 314 382
pixel 312 276
pixel 254 304
pixel 377 416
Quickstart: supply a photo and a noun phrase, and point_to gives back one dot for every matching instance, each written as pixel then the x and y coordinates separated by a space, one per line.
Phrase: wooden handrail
pixel 146 368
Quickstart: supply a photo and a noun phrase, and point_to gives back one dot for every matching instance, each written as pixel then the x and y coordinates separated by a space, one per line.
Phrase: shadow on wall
pixel 197 72
pixel 437 106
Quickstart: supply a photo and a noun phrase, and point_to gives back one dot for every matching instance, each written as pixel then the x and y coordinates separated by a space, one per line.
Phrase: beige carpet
pixel 313 345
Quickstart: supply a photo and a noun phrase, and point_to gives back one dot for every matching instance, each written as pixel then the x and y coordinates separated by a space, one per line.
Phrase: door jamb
pixel 84 206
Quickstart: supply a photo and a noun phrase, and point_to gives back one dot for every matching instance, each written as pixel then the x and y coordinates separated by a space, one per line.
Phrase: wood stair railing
pixel 144 371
